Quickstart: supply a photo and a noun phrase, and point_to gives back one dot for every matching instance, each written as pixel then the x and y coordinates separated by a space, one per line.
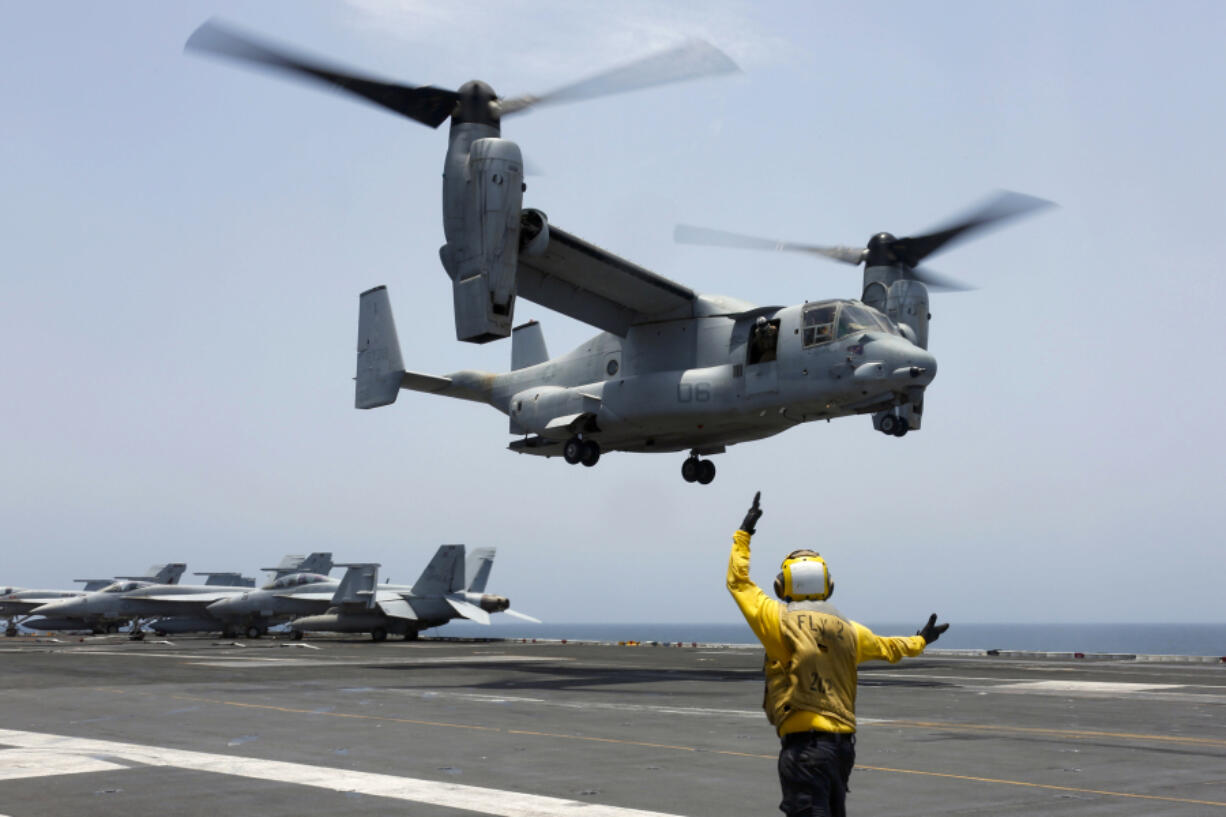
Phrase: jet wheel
pixel 112 628
pixel 139 635
pixel 295 635
pixel 902 429
pixel 590 454
pixel 10 632
pixel 572 450
pixel 689 469
pixel 889 424
pixel 411 635
pixel 253 631
pixel 706 472
pixel 378 634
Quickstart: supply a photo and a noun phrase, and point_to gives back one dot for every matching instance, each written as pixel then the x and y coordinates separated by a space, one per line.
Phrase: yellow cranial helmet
pixel 803 576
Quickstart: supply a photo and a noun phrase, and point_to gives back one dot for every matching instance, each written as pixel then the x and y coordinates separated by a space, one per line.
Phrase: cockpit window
pixel 818 323
pixel 122 587
pixel 854 318
pixel 295 580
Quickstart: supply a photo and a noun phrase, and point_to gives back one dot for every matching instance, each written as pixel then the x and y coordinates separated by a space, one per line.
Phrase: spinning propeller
pixel 474 101
pixel 884 249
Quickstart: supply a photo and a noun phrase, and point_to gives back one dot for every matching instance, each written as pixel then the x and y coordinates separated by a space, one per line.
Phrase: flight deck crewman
pixel 811 657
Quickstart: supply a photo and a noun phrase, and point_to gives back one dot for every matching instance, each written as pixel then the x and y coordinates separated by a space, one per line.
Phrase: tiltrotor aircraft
pixel 673 369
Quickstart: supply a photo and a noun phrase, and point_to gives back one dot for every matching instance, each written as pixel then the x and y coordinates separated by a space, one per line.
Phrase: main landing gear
pixel 697 470
pixel 894 426
pixel 577 449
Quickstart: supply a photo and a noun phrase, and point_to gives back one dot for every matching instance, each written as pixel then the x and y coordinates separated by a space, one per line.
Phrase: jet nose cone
pixel 52 609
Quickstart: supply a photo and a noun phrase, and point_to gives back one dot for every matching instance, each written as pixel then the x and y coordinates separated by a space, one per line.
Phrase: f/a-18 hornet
pixel 672 369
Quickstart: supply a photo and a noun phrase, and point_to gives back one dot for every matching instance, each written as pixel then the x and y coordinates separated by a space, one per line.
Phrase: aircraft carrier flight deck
pixel 200 726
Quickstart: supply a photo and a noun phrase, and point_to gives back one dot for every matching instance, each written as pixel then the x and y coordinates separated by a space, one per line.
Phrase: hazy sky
pixel 184 243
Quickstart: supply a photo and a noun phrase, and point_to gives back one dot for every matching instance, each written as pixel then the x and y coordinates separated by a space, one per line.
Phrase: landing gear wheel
pixel 590 454
pixel 139 635
pixel 112 628
pixel 295 635
pixel 889 424
pixel 378 634
pixel 160 633
pixel 689 469
pixel 253 631
pixel 706 472
pixel 572 450
pixel 903 428
pixel 10 632
pixel 411 635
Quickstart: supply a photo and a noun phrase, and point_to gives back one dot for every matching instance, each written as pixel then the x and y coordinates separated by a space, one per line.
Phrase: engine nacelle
pixel 482 198
pixel 907 303
pixel 551 411
pixel 488 602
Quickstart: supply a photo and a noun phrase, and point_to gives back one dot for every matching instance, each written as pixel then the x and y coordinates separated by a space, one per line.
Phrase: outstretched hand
pixel 755 513
pixel 932 631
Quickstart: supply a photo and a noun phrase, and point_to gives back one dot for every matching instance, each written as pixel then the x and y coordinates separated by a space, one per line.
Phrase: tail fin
pixel 358 584
pixel 380 367
pixel 477 569
pixel 444 573
pixel 226 580
pixel 528 346
pixel 320 562
pixel 161 574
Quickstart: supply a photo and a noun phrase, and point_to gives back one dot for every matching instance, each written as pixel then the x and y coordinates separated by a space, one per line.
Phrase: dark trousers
pixel 814 768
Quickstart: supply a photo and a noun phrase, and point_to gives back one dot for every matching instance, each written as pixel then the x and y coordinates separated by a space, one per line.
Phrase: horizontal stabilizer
pixel 395 607
pixel 469 611
pixel 380 366
pixel 416 381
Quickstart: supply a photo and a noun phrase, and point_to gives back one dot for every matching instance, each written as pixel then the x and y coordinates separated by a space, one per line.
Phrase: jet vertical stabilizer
pixel 528 346
pixel 160 574
pixel 477 569
pixel 444 574
pixel 358 584
pixel 318 562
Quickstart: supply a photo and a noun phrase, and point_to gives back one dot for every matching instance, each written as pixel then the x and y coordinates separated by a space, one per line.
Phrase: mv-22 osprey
pixel 672 369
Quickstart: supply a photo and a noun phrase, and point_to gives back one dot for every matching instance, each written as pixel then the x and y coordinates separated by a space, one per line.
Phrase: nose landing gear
pixel 894 426
pixel 697 470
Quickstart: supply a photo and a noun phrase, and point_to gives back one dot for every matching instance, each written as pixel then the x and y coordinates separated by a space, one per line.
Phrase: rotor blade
pixel 425 103
pixel 520 615
pixel 687 234
pixel 938 282
pixel 693 59
pixel 1003 206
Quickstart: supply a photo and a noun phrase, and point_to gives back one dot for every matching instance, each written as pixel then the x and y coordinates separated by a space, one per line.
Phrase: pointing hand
pixel 932 631
pixel 751 518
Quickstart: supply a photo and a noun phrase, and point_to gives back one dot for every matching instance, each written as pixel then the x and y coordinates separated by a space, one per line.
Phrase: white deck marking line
pixel 1110 687
pixel 18 764
pixel 261 661
pixel 449 795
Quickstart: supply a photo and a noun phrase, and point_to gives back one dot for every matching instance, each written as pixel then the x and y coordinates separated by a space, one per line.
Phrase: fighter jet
pixel 18 605
pixel 450 587
pixel 139 601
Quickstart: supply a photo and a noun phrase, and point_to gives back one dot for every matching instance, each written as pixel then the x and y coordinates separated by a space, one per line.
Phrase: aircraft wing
pixel 592 285
pixel 190 598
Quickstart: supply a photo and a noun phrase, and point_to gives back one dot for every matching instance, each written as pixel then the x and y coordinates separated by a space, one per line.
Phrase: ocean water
pixel 1144 639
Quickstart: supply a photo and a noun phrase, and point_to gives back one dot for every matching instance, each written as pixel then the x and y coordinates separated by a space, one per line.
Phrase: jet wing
pixel 190 598
pixel 592 285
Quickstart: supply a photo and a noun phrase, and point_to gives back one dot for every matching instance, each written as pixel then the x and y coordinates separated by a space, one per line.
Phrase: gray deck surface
pixel 274 729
